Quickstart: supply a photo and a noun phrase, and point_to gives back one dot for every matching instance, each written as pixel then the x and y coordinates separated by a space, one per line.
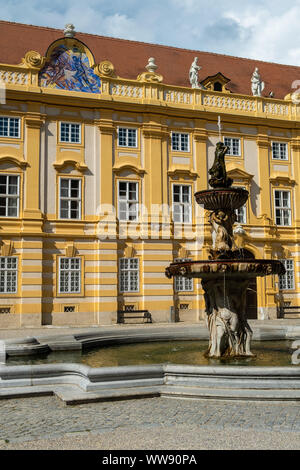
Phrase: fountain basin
pixel 78 383
pixel 232 269
pixel 223 198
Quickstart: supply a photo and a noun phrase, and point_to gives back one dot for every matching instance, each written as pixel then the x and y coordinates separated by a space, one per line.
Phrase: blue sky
pixel 265 30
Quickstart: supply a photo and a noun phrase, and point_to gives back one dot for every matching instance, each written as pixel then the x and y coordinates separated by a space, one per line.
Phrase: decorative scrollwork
pixel 33 59
pixel 151 77
pixel 106 68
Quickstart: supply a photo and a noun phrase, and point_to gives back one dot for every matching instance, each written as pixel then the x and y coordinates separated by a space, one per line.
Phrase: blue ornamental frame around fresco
pixel 69 69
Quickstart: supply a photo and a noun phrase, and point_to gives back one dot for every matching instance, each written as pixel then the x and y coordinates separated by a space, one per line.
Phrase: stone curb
pixel 75 383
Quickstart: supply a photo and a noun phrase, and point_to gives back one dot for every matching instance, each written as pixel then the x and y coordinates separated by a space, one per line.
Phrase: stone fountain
pixel 226 275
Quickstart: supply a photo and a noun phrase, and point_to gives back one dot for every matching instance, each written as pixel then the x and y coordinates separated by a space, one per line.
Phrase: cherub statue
pixel 222 222
pixel 218 173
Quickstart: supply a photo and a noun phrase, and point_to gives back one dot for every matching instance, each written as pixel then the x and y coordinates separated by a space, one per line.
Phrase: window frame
pixel 8 196
pixel 79 142
pixel 283 208
pixel 286 151
pixel 244 207
pixel 70 199
pixel 182 204
pixel 127 129
pixel 128 201
pixel 60 270
pixel 6 258
pixel 283 278
pixel 185 280
pixel 129 280
pixel 230 151
pixel 9 118
pixel 180 142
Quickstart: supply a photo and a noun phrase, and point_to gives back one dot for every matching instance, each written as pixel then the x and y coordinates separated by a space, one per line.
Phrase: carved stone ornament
pixel 33 59
pixel 7 248
pixel 106 68
pixel 151 66
pixel 69 30
pixel 70 250
pixel 150 75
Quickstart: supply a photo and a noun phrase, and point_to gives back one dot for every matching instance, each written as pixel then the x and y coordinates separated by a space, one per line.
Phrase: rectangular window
pixel 9 195
pixel 127 137
pixel 287 280
pixel 241 215
pixel 180 142
pixel 5 310
pixel 279 151
pixel 183 284
pixel 241 212
pixel 69 308
pixel 10 127
pixel 70 133
pixel 70 198
pixel 128 198
pixel 182 203
pixel 234 146
pixel 8 275
pixel 129 275
pixel 283 207
pixel 69 275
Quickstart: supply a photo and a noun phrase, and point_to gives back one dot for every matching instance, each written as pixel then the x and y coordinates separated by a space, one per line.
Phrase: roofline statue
pixel 257 86
pixel 193 74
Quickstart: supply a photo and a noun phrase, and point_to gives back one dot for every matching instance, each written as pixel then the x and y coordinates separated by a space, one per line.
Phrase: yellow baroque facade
pixel 95 187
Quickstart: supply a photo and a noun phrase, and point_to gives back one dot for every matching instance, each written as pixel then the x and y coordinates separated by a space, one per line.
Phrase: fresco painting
pixel 69 69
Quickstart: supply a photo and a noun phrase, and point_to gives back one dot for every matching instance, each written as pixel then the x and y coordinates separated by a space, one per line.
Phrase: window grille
pixel 279 151
pixel 127 137
pixel 283 207
pixel 180 142
pixel 287 280
pixel 70 198
pixel 70 133
pixel 182 203
pixel 69 275
pixel 234 146
pixel 4 310
pixel 128 200
pixel 10 127
pixel 129 275
pixel 8 275
pixel 9 195
pixel 183 284
pixel 69 308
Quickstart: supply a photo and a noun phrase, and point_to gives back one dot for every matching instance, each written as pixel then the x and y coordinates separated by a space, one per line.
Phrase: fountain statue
pixel 226 275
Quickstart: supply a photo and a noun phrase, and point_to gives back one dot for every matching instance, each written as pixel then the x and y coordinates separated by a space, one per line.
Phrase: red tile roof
pixel 130 57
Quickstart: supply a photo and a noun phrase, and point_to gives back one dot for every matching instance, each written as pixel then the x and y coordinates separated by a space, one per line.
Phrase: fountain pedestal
pixel 225 302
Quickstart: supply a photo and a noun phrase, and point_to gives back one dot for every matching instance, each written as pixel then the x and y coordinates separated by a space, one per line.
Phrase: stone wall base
pixel 10 321
pixel 69 319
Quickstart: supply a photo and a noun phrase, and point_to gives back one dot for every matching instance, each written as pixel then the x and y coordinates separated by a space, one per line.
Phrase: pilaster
pixel 32 215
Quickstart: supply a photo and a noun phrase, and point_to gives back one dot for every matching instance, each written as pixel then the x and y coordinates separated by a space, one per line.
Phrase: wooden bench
pixel 144 314
pixel 290 309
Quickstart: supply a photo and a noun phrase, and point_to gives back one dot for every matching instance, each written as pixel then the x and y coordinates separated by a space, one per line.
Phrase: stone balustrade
pixel 14 76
